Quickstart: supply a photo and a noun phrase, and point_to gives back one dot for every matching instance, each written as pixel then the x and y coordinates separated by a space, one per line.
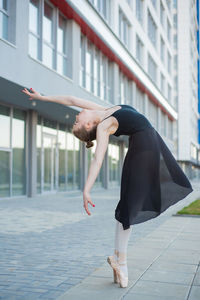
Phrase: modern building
pixel 110 52
pixel 186 79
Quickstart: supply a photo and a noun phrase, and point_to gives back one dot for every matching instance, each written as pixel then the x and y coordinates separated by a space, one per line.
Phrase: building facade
pixel 186 58
pixel 110 52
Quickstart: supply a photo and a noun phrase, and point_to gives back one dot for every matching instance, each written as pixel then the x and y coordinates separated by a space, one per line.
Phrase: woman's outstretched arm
pixel 95 166
pixel 65 100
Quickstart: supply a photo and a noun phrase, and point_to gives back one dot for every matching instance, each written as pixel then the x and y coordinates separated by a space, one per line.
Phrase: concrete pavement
pixel 49 248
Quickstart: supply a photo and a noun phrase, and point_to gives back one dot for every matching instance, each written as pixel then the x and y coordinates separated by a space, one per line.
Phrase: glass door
pixel 49 163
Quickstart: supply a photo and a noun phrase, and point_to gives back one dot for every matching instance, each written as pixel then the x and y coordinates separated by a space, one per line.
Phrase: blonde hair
pixel 85 135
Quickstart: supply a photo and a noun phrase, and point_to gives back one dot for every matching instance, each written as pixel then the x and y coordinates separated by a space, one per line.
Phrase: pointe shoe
pixel 123 280
pixel 114 265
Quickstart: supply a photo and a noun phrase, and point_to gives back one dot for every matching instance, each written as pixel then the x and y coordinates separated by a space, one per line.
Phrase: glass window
pixel 73 161
pixel 170 129
pixel 113 158
pixel 169 4
pixel 175 41
pixel 140 101
pixel 152 29
pixel 123 28
pixel 89 67
pixel 61 46
pixel 169 93
pixel 154 2
pixel 34 28
pixel 103 7
pixel 168 31
pixel 175 3
pixel 82 60
pixel 162 83
pixel 169 62
pixel 152 68
pixel 103 73
pixel 77 163
pixel 4 174
pixel 139 50
pixel 153 116
pixel 97 73
pixel 163 124
pixel 39 153
pixel 4 19
pixel 162 14
pixel 175 20
pixel 125 94
pixel 162 50
pixel 62 158
pixel 110 82
pixel 5 124
pixel 18 150
pixel 139 10
pixel 48 35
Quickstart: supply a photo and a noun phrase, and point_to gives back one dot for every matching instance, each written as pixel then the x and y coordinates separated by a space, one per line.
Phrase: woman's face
pixel 84 118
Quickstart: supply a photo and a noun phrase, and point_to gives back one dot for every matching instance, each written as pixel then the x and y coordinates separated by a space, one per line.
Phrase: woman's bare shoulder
pixel 109 125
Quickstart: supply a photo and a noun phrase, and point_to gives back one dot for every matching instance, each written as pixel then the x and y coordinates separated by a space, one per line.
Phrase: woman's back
pixel 130 120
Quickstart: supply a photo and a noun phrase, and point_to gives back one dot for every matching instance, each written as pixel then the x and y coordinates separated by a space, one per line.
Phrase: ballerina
pixel 151 178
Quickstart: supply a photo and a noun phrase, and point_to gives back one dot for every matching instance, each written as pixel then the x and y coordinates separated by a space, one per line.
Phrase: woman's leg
pixel 121 243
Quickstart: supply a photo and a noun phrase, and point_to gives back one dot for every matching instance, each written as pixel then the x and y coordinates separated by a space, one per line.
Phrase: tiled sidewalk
pixel 49 247
pixel 163 265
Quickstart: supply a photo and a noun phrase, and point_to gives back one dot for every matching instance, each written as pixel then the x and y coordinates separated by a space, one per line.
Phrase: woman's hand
pixel 86 200
pixel 33 95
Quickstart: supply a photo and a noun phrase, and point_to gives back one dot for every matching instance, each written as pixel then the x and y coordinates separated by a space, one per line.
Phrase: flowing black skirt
pixel 151 179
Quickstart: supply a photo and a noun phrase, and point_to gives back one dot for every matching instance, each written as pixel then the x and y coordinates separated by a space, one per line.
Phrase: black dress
pixel 151 178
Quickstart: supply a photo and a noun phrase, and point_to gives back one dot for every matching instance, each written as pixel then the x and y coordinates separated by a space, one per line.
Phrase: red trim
pixel 70 13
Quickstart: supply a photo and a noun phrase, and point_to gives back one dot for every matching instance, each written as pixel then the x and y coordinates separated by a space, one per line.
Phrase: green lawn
pixel 192 209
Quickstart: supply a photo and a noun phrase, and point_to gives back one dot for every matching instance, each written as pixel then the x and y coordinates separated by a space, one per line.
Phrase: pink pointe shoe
pixel 113 265
pixel 119 276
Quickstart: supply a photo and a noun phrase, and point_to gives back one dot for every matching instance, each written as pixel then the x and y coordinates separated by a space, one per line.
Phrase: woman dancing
pixel 151 178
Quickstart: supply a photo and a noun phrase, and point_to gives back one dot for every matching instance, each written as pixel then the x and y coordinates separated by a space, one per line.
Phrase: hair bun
pixel 89 144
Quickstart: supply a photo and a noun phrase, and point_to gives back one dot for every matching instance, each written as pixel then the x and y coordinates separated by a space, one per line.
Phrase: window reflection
pixel 48 35
pixel 62 158
pixel 113 156
pixel 33 28
pixel 4 174
pixel 5 124
pixel 33 16
pixel 39 153
pixel 18 150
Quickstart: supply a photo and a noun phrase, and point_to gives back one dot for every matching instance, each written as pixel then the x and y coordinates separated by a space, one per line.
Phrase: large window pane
pixel 70 160
pixel 4 4
pixel 113 156
pixel 5 124
pixel 47 56
pixel 77 162
pixel 4 174
pixel 47 23
pixel 39 153
pixel 3 26
pixel 62 157
pixel 18 150
pixel 33 46
pixel 33 16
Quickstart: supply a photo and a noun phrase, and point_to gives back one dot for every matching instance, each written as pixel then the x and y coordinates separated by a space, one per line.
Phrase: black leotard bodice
pixel 130 120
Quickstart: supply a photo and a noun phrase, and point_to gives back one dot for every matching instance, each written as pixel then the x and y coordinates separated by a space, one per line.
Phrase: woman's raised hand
pixel 33 95
pixel 86 200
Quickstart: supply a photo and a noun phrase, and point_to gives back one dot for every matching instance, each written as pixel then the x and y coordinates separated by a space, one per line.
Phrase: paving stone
pixel 54 245
pixel 159 289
